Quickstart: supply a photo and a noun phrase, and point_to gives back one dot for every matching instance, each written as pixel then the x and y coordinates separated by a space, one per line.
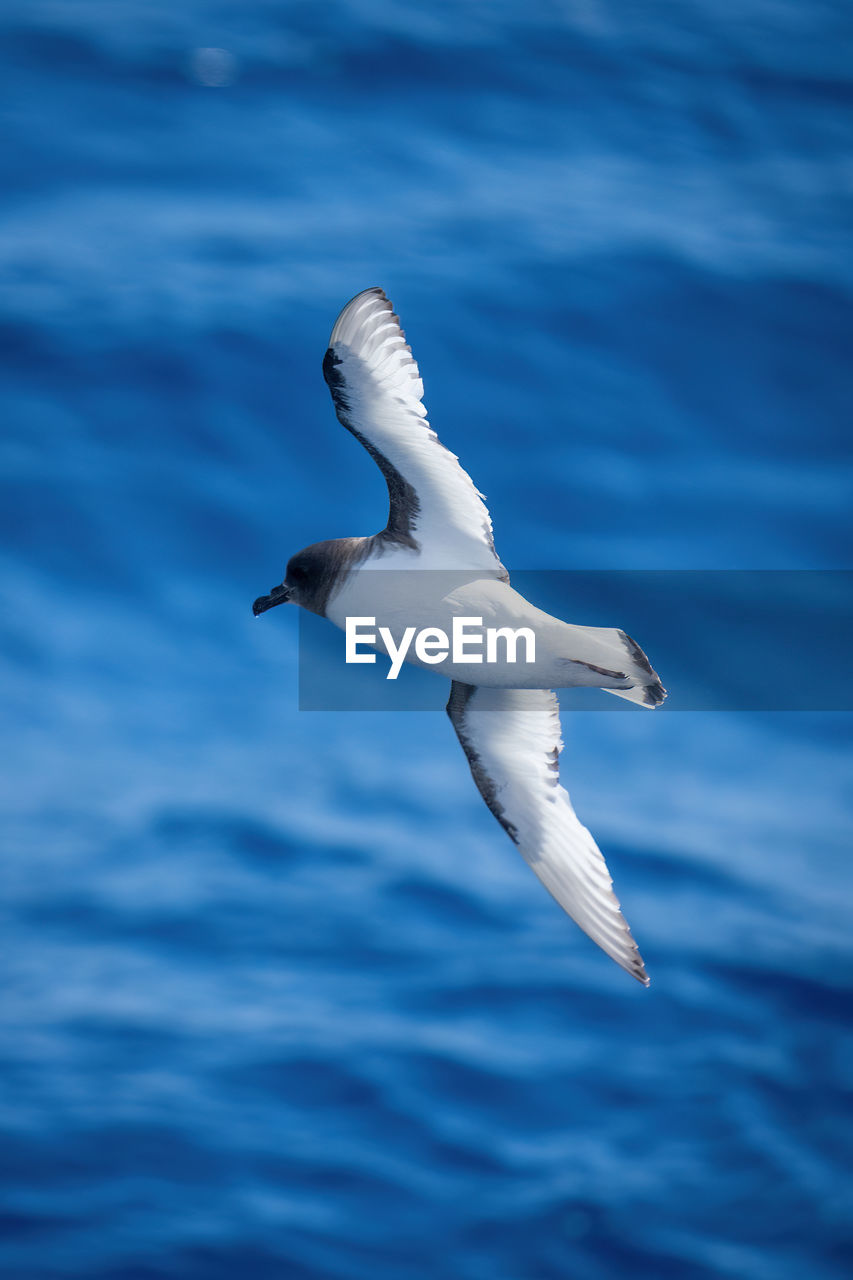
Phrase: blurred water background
pixel 279 999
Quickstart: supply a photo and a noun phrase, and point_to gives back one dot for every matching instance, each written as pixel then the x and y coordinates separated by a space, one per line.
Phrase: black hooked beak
pixel 278 595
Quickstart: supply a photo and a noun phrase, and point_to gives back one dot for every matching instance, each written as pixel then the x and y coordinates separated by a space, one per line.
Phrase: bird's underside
pixel 438 519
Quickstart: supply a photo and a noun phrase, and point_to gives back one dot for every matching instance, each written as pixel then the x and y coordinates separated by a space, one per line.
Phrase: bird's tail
pixel 611 660
pixel 647 691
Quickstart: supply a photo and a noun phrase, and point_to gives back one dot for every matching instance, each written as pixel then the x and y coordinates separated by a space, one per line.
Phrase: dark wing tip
pixel 655 694
pixel 331 369
pixel 336 383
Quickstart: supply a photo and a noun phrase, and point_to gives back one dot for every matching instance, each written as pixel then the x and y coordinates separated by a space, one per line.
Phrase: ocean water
pixel 279 999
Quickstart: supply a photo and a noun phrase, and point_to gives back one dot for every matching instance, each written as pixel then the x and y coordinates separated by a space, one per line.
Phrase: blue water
pixel 279 999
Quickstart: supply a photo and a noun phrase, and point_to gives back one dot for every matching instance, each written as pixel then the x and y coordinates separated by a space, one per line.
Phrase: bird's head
pixel 305 577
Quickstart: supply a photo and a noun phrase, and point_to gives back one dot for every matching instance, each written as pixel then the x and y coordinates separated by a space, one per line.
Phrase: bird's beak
pixel 278 595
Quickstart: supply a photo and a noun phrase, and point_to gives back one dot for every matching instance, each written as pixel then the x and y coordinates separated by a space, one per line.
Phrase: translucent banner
pixel 720 640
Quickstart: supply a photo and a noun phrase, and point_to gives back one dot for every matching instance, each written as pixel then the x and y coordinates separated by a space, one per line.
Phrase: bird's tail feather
pixel 648 690
pixel 645 695
pixel 612 660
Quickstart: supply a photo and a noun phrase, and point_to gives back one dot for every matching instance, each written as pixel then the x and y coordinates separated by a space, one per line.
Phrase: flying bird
pixel 435 562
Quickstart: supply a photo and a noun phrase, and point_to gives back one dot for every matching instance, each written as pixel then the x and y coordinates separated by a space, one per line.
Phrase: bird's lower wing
pixel 512 740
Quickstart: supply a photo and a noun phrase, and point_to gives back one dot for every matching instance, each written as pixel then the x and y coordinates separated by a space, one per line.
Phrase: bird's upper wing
pixel 512 740
pixel 377 393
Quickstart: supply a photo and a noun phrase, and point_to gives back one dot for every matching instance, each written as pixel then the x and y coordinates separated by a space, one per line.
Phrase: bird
pixel 435 562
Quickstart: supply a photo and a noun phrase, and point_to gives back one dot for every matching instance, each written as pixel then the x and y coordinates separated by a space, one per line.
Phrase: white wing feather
pixel 512 739
pixel 378 392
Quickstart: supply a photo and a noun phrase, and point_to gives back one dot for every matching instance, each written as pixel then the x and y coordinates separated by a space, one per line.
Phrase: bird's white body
pixel 399 597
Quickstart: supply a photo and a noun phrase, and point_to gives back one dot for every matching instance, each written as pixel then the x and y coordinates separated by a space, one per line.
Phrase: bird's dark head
pixel 311 575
